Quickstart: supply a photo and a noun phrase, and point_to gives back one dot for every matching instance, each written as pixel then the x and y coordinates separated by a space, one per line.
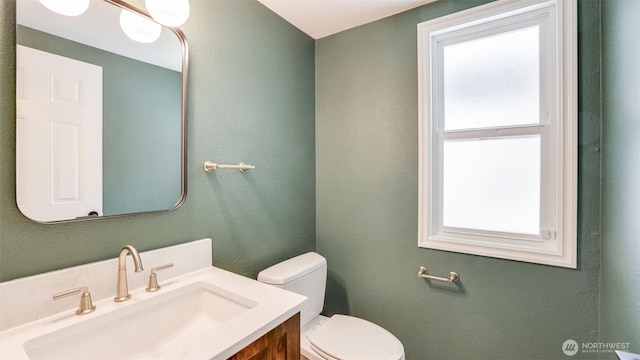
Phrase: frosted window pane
pixel 492 81
pixel 492 184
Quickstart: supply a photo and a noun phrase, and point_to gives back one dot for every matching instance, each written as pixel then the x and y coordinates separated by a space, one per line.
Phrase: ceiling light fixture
pixel 172 13
pixel 66 7
pixel 139 28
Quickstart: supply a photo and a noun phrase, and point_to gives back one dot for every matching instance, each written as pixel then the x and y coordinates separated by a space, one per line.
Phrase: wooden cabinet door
pixel 281 343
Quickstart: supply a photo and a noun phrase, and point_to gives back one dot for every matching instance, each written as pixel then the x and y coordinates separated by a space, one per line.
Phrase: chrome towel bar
pixel 423 273
pixel 209 166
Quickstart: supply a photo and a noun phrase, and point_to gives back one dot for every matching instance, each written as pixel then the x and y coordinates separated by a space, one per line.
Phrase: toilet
pixel 329 338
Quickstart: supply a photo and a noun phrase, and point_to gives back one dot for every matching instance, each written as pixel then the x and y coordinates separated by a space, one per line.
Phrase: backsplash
pixel 99 276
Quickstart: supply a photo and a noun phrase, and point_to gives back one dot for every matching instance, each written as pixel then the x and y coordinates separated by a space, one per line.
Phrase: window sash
pixel 437 222
pixel 543 18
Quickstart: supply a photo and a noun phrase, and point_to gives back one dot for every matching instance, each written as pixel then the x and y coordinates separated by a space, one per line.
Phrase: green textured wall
pixel 251 99
pixel 367 191
pixel 620 293
pixel 141 133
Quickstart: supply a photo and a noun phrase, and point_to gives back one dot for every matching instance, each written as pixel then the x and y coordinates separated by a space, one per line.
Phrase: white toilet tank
pixel 306 275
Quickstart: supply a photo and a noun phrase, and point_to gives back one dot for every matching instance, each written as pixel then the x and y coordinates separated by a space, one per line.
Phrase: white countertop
pixel 272 307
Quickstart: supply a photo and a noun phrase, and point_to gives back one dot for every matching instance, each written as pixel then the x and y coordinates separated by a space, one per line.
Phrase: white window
pixel 498 131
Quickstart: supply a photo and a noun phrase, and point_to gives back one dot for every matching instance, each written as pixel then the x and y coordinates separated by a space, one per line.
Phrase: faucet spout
pixel 122 289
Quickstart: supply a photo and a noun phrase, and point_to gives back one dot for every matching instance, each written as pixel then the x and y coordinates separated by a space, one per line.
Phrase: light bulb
pixel 171 13
pixel 66 7
pixel 139 28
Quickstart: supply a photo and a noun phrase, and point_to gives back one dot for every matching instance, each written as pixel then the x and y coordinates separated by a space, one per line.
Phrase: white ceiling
pixel 320 18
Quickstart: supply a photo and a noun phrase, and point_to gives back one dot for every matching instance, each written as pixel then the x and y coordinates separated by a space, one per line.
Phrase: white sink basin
pixel 201 312
pixel 148 329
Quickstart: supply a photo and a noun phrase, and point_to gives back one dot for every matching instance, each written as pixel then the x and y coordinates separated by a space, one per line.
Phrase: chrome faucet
pixel 122 290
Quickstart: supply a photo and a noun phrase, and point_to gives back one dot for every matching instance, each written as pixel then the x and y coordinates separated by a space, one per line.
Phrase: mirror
pixel 100 118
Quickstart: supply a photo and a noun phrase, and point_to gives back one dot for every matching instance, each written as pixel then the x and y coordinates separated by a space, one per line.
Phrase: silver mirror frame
pixel 183 126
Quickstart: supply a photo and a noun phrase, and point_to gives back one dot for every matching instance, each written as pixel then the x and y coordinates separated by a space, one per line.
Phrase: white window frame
pixel 556 244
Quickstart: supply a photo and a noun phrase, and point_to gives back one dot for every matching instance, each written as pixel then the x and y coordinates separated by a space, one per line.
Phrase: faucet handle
pixel 86 305
pixel 153 278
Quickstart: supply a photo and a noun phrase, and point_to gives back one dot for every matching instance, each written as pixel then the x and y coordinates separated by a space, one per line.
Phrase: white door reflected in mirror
pixel 58 136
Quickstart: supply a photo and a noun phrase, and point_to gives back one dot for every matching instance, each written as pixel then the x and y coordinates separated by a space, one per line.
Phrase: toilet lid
pixel 350 338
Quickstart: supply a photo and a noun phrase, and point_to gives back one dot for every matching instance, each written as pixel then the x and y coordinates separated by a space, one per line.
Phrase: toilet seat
pixel 349 338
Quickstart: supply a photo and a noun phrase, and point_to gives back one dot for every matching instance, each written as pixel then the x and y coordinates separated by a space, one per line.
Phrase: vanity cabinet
pixel 281 343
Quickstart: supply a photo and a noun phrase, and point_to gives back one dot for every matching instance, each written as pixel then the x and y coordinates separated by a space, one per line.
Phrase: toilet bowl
pixel 339 337
pixel 348 338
